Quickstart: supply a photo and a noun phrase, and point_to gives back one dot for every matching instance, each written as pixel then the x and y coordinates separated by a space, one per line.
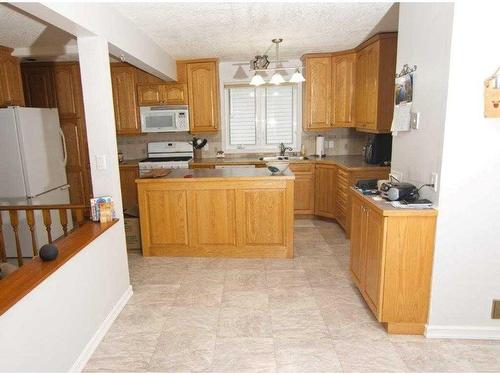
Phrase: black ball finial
pixel 48 252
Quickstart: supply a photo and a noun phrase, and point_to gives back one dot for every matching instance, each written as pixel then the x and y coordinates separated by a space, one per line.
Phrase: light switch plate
pixel 100 162
pixel 331 144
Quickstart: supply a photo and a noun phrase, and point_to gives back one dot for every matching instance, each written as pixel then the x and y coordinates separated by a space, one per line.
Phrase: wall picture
pixel 404 89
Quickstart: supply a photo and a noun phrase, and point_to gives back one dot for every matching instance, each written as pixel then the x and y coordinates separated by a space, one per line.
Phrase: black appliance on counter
pixel 378 149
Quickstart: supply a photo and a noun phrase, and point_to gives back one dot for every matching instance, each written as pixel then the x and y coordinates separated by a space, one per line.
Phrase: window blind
pixel 279 115
pixel 242 116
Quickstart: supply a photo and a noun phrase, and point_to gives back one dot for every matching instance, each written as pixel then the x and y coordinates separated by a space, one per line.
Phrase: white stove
pixel 166 155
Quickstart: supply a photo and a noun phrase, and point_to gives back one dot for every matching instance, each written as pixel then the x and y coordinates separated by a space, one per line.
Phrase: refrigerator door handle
pixel 64 146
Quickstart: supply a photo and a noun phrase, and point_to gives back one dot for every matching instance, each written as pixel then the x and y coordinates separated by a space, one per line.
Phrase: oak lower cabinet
pixel 162 94
pixel 325 190
pixel 391 262
pixel 128 174
pixel 11 86
pixel 202 78
pixel 304 188
pixel 217 216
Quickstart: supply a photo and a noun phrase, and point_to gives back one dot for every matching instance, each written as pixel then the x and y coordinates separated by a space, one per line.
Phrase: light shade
pixel 277 79
pixel 297 77
pixel 257 80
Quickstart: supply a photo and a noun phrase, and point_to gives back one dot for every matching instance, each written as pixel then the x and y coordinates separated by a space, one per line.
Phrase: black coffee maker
pixel 378 149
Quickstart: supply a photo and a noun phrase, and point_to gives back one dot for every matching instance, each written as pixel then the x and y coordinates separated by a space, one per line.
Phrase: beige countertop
pixel 130 163
pixel 229 173
pixel 350 162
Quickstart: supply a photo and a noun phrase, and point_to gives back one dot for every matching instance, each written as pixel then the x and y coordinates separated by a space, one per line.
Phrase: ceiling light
pixel 297 77
pixel 257 80
pixel 277 79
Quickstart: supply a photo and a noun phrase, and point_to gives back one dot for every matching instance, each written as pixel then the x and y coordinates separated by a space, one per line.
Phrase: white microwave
pixel 167 118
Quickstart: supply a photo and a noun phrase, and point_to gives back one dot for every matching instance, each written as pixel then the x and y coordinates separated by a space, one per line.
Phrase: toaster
pixel 396 191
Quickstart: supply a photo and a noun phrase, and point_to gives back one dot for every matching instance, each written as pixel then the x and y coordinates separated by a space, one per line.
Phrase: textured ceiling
pixel 21 30
pixel 238 31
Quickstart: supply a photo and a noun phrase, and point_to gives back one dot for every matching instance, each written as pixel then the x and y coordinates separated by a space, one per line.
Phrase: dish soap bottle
pixel 303 150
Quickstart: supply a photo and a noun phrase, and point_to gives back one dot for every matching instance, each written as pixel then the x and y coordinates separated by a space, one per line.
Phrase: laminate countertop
pixel 218 174
pixel 350 162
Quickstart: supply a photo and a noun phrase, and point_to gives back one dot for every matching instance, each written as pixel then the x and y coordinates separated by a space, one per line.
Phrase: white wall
pixel 467 255
pixel 424 39
pixel 48 330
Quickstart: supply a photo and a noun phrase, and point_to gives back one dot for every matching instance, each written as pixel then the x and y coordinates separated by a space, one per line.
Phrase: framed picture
pixel 404 89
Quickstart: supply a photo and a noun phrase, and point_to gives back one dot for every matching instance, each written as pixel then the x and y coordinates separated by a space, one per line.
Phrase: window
pixel 258 119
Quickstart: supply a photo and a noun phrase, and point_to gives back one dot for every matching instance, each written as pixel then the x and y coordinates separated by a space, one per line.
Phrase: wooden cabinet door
pixel 128 175
pixel 38 85
pixel 343 78
pixel 124 99
pixel 357 255
pixel 203 92
pixel 325 190
pixel 11 86
pixel 303 188
pixel 317 93
pixel 67 84
pixel 175 93
pixel 371 85
pixel 374 245
pixel 360 89
pixel 149 95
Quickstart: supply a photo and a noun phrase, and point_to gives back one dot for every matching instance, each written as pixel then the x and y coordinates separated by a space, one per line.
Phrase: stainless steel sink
pixel 285 158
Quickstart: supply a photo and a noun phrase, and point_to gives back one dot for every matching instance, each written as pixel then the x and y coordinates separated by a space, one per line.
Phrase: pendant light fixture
pixel 260 66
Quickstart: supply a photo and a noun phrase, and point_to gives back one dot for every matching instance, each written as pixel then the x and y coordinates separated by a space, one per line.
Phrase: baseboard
pixel 462 332
pixel 101 332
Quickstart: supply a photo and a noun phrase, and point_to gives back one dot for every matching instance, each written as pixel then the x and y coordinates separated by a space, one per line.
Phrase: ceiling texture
pixel 229 31
pixel 239 31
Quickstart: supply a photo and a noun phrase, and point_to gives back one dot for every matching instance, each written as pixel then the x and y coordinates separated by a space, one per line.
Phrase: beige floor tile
pixel 199 293
pixel 337 296
pixel 244 280
pixel 306 355
pixel 244 355
pixel 245 264
pixel 255 299
pixel 292 298
pixel 183 353
pixel 154 294
pixel 286 279
pixel 191 320
pixel 368 356
pixel 484 357
pixel 283 264
pixel 298 323
pixel 123 352
pixel 141 319
pixel 312 249
pixel 244 322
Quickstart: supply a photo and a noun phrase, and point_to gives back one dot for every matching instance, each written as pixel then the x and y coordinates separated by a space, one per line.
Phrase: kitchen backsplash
pixel 346 142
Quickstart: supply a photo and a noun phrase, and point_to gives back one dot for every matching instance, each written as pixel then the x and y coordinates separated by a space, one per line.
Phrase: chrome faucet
pixel 284 149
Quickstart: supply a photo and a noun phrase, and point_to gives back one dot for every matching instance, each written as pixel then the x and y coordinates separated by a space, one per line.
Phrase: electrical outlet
pixel 207 147
pixel 415 120
pixel 331 144
pixel 434 181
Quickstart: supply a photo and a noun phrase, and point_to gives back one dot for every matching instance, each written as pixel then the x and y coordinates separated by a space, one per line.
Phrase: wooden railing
pixel 79 215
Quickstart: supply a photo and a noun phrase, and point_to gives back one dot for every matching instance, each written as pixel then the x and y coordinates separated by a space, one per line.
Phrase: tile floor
pixel 253 315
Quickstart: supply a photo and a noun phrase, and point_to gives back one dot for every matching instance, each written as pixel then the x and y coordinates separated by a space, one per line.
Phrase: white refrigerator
pixel 32 171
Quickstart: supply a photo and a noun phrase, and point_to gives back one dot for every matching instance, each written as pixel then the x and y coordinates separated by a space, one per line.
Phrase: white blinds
pixel 279 115
pixel 242 116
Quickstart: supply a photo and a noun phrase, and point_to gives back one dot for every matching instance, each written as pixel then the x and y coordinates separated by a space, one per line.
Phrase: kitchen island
pixel 233 212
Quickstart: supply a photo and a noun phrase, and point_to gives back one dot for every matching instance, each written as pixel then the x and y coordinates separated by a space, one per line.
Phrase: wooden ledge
pixel 17 285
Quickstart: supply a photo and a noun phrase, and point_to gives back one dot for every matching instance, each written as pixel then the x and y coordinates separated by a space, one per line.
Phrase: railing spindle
pixel 63 219
pixel 30 218
pixel 47 221
pixel 3 255
pixel 79 216
pixel 14 223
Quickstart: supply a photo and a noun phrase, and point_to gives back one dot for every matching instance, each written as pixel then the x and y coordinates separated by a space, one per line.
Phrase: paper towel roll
pixel 320 145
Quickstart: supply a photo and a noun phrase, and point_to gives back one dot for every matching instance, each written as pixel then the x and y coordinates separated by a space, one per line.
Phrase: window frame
pixel 260 104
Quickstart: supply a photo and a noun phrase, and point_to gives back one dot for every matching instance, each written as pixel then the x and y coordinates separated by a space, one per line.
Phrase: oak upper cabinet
pixel 317 92
pixel 38 85
pixel 325 190
pixel 124 80
pixel 303 188
pixel 391 262
pixel 166 93
pixel 11 86
pixel 202 78
pixel 374 88
pixel 343 78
